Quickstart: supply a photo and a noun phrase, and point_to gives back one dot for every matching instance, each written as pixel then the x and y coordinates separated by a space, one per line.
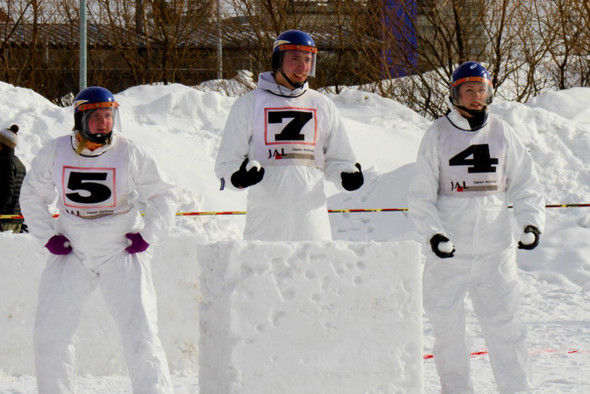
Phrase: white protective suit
pixel 298 138
pixel 98 197
pixel 463 183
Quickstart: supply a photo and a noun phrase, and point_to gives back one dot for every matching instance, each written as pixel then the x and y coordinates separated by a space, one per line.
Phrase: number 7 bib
pixel 287 132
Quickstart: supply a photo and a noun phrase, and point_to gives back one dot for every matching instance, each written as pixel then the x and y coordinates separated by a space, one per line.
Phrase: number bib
pixel 90 187
pixel 472 163
pixel 286 131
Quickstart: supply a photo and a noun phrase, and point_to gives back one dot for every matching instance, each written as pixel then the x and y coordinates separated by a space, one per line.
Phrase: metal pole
pixel 219 43
pixel 82 80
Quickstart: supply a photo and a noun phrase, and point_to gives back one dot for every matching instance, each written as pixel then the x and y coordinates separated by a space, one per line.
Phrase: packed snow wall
pixel 331 317
pixel 98 347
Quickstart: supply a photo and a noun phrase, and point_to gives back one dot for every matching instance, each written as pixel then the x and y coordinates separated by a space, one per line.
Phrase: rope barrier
pixel 539 351
pixel 360 210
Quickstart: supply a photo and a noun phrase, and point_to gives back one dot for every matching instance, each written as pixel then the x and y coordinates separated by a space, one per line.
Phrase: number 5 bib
pixel 472 163
pixel 91 186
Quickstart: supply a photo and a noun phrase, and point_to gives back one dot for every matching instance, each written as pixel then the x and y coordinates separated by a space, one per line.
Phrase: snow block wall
pixel 98 345
pixel 331 317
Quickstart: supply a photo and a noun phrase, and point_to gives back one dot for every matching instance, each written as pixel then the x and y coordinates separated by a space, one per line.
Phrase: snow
pixel 182 126
pixel 338 304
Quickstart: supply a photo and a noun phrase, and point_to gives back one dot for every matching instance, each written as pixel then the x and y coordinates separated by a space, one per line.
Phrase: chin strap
pixel 295 85
pixel 479 118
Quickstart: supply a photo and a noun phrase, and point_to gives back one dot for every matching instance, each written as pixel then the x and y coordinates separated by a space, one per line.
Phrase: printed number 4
pixel 96 192
pixel 480 160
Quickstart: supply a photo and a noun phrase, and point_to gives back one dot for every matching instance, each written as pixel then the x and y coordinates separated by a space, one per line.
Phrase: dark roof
pixel 203 36
pixel 65 34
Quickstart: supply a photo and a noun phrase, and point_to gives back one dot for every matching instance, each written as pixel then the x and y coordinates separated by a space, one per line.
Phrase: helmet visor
pixel 99 123
pixel 298 57
pixel 472 88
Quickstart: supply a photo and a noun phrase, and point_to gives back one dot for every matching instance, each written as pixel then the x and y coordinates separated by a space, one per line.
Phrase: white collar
pixel 97 152
pixel 266 81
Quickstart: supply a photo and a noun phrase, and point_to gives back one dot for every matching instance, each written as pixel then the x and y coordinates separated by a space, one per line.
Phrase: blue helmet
pixel 86 102
pixel 293 40
pixel 471 71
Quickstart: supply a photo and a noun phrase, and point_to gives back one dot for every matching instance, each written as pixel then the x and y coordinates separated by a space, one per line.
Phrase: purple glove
pixel 59 245
pixel 137 243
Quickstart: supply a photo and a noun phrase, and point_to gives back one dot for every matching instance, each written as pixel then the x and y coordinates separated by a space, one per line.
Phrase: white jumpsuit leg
pixel 496 302
pixel 491 280
pixel 127 287
pixel 63 290
pixel 446 283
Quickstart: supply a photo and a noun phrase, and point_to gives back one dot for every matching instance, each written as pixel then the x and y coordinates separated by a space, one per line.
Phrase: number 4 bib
pixel 471 163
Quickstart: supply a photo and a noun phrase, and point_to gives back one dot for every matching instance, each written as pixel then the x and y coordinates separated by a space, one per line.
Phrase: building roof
pixel 202 36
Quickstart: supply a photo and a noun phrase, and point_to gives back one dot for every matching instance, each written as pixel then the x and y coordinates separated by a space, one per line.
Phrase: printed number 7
pixel 292 131
pixel 480 161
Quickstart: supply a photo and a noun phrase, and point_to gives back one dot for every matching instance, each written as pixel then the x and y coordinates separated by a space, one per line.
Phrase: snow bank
pixel 336 317
pixel 98 349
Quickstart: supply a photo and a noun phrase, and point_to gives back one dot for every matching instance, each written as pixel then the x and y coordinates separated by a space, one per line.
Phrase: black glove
pixel 353 180
pixel 435 241
pixel 535 231
pixel 242 178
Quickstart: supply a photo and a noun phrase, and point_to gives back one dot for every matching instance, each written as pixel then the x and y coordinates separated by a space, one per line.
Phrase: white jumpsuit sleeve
pixel 235 141
pixel 339 156
pixel 158 195
pixel 38 192
pixel 423 190
pixel 523 186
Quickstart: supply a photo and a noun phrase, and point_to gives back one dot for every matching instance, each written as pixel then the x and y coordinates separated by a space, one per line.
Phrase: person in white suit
pixel 280 141
pixel 470 166
pixel 100 238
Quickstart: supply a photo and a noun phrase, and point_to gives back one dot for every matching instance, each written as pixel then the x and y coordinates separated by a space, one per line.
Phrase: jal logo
pixel 276 154
pixel 458 186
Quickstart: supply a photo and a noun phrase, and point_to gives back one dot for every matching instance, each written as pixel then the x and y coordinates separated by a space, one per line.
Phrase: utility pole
pixel 82 78
pixel 219 43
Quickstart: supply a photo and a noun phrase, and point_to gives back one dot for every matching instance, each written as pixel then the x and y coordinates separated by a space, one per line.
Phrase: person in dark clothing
pixel 12 173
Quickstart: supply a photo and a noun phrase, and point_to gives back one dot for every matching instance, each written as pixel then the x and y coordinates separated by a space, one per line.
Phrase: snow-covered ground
pixel 182 127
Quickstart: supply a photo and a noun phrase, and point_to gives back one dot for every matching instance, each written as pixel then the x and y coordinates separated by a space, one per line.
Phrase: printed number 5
pixel 479 162
pixel 97 192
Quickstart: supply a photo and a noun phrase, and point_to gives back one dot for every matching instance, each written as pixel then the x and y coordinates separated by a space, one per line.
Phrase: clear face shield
pixel 474 90
pixel 298 59
pixel 99 123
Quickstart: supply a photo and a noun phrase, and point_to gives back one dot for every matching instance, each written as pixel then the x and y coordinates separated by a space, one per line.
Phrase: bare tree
pixel 511 38
pixel 405 50
pixel 152 37
pixel 29 54
pixel 569 53
pixel 329 22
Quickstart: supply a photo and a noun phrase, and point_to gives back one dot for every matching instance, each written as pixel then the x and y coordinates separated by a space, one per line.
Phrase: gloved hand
pixel 59 245
pixel 247 175
pixel 442 246
pixel 352 180
pixel 136 243
pixel 529 238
